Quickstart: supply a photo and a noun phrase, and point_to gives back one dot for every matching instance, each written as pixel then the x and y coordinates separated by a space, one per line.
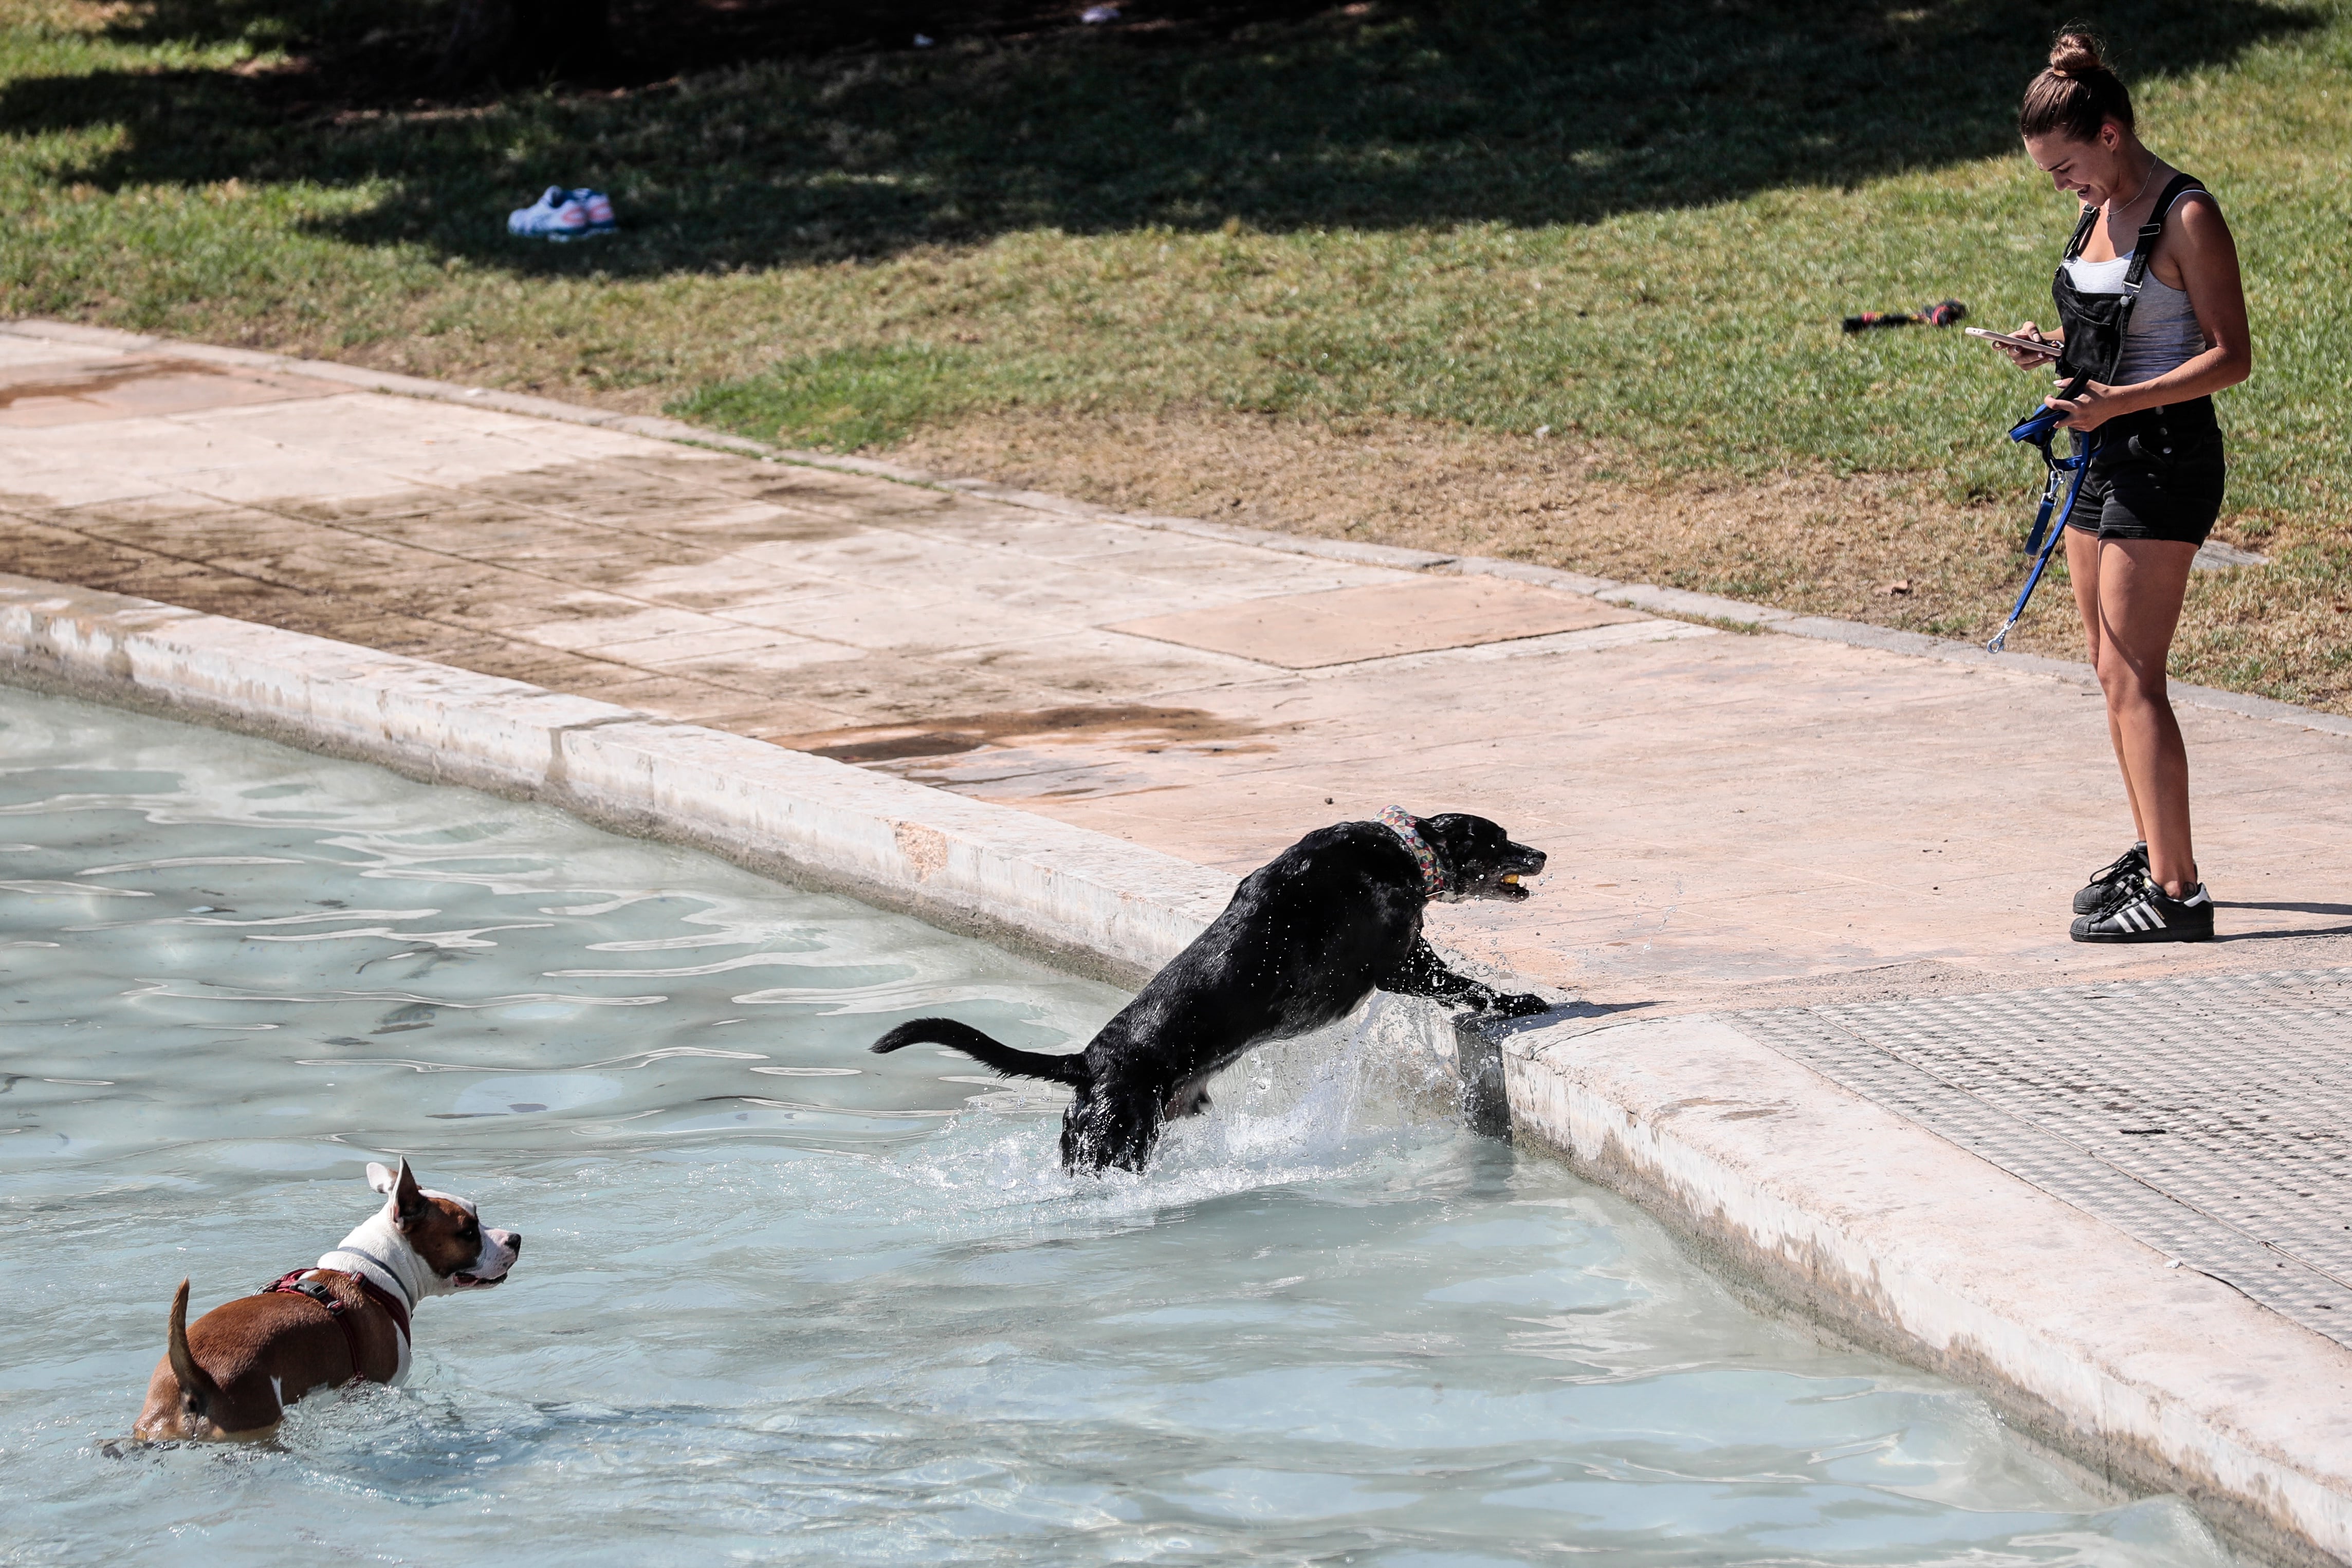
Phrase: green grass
pixel 842 399
pixel 1636 225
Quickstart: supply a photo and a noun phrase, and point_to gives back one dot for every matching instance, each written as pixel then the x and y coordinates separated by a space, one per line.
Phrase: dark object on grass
pixel 1943 315
pixel 1307 937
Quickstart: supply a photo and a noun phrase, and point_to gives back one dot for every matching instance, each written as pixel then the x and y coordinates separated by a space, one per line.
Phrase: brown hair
pixel 2076 94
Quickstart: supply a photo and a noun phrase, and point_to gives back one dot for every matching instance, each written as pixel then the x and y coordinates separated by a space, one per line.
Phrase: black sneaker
pixel 2111 879
pixel 2148 913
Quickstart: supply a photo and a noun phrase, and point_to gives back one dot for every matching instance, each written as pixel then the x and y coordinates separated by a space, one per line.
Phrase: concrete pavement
pixel 1725 810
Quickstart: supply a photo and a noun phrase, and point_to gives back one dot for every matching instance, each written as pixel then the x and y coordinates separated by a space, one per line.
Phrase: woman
pixel 2153 321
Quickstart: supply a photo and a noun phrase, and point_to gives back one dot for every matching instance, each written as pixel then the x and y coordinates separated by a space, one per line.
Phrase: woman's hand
pixel 2092 408
pixel 2018 357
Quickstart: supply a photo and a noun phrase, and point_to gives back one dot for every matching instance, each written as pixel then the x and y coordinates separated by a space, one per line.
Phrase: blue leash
pixel 2041 427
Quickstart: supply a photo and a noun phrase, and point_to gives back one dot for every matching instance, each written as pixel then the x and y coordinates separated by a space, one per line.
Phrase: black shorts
pixel 2158 475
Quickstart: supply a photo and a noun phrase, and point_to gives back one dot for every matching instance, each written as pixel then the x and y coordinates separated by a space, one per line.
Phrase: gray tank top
pixel 2164 334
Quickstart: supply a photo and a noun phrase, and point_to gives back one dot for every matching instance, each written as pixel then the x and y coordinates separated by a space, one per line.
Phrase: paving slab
pixel 1844 850
pixel 1357 625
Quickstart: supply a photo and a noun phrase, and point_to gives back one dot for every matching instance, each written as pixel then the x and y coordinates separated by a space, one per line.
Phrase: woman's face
pixel 2094 171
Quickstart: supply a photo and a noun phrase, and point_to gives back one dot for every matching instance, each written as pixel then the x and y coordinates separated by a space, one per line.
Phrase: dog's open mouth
pixel 1507 886
pixel 476 1281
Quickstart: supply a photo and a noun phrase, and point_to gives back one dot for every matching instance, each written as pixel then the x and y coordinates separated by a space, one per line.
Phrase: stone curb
pixel 1093 903
pixel 1860 1220
pixel 1678 603
pixel 2159 1378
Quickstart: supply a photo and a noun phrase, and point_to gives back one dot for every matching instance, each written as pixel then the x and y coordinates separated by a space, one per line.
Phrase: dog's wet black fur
pixel 1307 937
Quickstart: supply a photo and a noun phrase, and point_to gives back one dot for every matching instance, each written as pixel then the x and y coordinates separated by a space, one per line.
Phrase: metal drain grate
pixel 2211 1117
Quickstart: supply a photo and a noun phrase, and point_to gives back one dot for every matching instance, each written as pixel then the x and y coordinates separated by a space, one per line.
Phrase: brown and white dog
pixel 234 1372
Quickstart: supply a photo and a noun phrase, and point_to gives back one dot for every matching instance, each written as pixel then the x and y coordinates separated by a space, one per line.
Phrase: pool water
pixel 782 1300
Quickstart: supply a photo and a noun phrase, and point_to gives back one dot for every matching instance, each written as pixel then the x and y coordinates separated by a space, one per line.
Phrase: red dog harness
pixel 298 1283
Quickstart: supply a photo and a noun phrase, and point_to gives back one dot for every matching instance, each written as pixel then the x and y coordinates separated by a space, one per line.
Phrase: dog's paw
pixel 1526 1005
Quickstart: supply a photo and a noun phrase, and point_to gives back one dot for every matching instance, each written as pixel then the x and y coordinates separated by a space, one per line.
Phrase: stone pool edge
pixel 2158 1378
pixel 1110 910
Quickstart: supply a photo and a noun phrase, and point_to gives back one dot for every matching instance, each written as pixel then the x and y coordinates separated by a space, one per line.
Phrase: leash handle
pixel 2040 426
pixel 2081 465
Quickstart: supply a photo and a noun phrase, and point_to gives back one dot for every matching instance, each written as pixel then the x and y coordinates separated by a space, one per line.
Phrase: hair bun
pixel 2075 56
pixel 2078 93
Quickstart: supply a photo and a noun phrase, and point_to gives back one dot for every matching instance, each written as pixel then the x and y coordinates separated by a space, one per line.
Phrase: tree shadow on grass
pixel 1390 114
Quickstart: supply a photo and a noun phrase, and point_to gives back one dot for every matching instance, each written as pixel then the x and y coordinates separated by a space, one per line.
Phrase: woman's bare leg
pixel 2141 583
pixel 2082 571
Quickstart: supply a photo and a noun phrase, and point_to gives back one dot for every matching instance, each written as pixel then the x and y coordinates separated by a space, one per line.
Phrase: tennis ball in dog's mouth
pixel 1511 878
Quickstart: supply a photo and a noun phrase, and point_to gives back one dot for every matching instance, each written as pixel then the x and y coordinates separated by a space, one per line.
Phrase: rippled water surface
pixel 783 1300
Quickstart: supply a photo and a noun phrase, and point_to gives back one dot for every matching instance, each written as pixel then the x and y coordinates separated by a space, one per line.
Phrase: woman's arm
pixel 2207 257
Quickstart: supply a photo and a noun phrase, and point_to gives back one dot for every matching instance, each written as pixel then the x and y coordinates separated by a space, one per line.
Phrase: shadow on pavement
pixel 2296 908
pixel 2339 909
pixel 1384 114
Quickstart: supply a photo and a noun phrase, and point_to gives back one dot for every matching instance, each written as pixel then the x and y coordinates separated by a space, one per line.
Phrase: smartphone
pixel 2047 351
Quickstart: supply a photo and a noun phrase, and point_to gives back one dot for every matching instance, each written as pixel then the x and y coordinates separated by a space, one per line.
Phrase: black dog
pixel 1307 937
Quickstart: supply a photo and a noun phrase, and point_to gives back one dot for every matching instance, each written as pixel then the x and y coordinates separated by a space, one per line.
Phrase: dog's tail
pixel 197 1390
pixel 1009 1063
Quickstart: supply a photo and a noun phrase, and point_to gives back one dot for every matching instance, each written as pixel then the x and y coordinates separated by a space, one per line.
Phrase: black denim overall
pixel 2156 473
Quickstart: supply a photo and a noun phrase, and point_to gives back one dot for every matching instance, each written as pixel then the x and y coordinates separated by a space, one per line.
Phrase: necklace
pixel 2152 161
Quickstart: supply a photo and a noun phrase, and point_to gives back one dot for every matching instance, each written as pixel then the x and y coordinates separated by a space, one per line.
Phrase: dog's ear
pixel 407 1198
